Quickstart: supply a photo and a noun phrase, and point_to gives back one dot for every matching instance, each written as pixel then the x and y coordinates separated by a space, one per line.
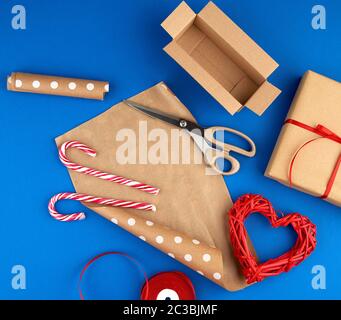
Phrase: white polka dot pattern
pixel 217 276
pixel 36 84
pixel 193 252
pixel 54 85
pixel 159 239
pixel 188 257
pixel 187 250
pixel 206 257
pixel 18 83
pixel 131 221
pixel 90 86
pixel 72 86
pixel 177 239
pixel 25 82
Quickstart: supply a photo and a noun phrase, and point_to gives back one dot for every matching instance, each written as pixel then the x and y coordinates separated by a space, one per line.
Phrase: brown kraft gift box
pixel 317 104
pixel 221 57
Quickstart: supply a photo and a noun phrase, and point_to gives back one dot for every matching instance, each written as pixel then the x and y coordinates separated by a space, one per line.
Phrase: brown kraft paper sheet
pixel 317 101
pixel 192 206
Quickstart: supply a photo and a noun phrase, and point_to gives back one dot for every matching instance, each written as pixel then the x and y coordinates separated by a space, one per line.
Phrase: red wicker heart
pixel 252 270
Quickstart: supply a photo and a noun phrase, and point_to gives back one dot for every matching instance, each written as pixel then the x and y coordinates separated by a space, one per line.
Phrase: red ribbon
pixel 324 133
pixel 89 263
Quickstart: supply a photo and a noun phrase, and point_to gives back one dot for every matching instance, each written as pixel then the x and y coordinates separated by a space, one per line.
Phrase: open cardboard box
pixel 221 57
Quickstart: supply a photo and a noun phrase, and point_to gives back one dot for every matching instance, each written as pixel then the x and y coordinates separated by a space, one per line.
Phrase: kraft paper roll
pixel 54 85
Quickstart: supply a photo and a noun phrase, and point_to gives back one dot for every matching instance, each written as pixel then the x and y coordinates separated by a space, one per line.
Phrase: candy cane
pixel 92 199
pixel 99 174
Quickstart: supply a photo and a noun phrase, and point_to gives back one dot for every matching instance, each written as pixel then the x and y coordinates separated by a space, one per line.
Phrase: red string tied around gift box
pixel 324 133
pixel 250 267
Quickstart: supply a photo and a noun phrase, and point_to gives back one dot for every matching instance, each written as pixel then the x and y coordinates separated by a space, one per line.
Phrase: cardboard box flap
pixel 253 55
pixel 200 74
pixel 179 20
pixel 263 98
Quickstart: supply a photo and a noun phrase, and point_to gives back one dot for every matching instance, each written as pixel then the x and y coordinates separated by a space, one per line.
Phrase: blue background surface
pixel 122 41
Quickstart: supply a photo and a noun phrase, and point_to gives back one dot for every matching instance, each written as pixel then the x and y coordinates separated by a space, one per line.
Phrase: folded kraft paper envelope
pixel 308 150
pixel 191 222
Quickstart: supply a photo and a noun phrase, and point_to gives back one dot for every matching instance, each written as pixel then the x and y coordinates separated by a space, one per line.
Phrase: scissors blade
pixel 201 142
pixel 155 113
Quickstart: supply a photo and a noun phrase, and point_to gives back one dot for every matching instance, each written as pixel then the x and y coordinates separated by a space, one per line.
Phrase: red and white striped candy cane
pixel 96 173
pixel 92 199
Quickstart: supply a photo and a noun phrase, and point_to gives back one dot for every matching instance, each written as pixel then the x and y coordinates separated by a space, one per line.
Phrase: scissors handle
pixel 226 149
pixel 212 161
pixel 209 135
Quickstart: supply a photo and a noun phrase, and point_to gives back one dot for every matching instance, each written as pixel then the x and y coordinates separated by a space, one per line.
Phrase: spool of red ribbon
pixel 168 286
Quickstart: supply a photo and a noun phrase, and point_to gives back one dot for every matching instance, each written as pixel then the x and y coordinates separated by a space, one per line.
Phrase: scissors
pixel 205 139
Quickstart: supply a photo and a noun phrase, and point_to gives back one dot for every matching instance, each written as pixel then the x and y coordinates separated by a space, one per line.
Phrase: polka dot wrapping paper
pixel 55 85
pixel 190 223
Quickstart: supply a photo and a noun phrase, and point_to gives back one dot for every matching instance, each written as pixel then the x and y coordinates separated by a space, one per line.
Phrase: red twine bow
pixel 251 269
pixel 324 133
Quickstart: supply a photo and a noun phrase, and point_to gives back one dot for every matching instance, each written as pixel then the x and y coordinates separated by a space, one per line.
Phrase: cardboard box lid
pixel 179 20
pixel 262 98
